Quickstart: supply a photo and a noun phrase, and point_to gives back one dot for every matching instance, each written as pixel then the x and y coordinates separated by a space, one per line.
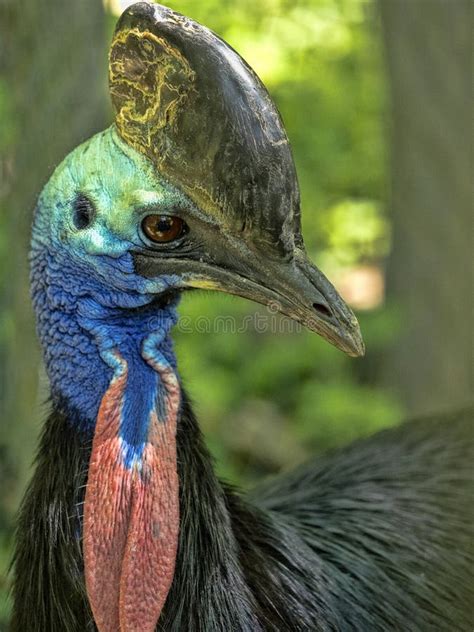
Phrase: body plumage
pixel 375 537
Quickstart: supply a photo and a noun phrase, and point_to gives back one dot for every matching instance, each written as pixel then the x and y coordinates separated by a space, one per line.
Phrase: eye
pixel 163 228
pixel 83 212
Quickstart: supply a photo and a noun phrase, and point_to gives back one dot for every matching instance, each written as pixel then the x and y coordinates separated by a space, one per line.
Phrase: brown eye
pixel 163 228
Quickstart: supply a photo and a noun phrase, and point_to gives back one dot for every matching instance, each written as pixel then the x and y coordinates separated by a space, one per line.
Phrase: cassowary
pixel 125 527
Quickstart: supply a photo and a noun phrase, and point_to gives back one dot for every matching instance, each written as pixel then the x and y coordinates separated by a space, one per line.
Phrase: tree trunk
pixel 53 94
pixel 430 272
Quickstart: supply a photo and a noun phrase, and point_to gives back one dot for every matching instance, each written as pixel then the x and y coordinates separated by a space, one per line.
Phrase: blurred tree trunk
pixel 430 273
pixel 52 77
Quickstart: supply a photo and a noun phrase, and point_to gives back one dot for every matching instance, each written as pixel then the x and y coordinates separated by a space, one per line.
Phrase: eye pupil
pixel 164 224
pixel 83 211
pixel 163 228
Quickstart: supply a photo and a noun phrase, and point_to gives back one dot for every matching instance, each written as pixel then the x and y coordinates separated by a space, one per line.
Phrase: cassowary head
pixel 194 186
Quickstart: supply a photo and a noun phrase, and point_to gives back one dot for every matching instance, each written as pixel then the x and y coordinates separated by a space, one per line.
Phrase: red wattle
pixel 131 518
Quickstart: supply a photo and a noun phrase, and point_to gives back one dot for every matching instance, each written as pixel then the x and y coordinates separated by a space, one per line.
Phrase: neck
pixel 115 368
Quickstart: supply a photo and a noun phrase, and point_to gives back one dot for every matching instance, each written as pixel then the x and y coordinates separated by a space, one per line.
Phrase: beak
pixel 295 288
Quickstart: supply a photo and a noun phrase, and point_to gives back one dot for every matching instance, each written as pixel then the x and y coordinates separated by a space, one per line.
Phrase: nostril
pixel 323 310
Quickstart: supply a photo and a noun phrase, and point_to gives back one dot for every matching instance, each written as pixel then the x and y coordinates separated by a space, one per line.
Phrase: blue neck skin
pixel 80 320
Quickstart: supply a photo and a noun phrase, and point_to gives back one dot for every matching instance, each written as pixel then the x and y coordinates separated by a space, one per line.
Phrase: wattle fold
pixel 131 513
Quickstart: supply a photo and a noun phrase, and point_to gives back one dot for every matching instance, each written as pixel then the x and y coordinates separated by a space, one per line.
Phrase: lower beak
pixel 296 288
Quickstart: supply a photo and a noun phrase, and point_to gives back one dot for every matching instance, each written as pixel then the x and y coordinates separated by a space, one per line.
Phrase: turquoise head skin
pixel 87 297
pixel 123 187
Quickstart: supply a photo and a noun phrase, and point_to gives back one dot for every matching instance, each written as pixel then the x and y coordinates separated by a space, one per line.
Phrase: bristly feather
pixel 375 537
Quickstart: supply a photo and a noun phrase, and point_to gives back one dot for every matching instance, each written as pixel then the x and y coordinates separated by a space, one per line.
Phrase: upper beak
pixel 296 288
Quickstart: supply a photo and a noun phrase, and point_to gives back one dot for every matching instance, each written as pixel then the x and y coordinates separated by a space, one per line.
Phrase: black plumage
pixel 377 536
